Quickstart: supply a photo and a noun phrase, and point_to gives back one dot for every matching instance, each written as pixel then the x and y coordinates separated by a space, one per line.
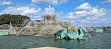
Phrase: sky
pixel 77 12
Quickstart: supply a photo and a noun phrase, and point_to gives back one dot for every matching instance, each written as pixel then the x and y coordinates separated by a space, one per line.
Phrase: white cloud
pixel 36 18
pixel 61 12
pixel 70 15
pixel 31 12
pixel 4 3
pixel 54 2
pixel 84 6
pixel 86 10
pixel 86 14
pixel 21 10
pixel 106 1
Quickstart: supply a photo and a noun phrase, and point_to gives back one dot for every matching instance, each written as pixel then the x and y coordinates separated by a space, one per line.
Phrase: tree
pixel 16 20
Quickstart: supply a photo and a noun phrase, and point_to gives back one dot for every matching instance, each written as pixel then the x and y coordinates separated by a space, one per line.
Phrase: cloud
pixel 61 12
pixel 85 14
pixel 21 10
pixel 5 3
pixel 86 10
pixel 106 1
pixel 84 6
pixel 70 15
pixel 31 12
pixel 53 2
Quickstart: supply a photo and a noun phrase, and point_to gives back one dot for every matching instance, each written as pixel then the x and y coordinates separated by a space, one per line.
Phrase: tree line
pixel 16 20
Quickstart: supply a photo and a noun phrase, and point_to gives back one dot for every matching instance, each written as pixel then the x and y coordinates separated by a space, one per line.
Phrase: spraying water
pixel 49 10
pixel 23 25
pixel 48 27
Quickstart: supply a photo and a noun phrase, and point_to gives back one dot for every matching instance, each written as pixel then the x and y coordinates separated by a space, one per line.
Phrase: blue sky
pixel 84 12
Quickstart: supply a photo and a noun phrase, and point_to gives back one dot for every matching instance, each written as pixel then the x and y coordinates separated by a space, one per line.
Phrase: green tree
pixel 16 20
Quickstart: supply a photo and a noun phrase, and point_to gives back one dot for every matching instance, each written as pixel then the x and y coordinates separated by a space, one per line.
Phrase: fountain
pixel 48 27
pixel 23 25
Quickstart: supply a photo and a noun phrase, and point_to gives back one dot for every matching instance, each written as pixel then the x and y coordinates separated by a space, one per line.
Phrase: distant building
pixel 49 14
